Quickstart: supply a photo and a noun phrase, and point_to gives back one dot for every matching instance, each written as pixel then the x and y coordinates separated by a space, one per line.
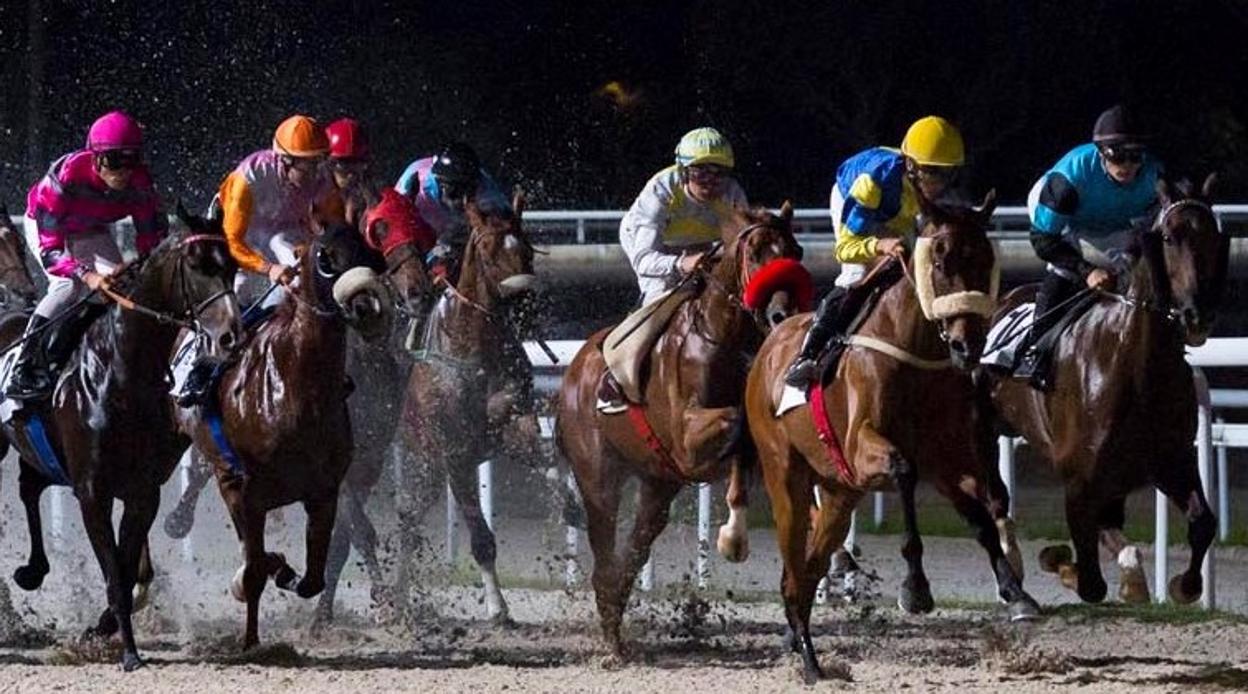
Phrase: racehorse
pixel 901 402
pixel 18 290
pixel 1122 413
pixel 451 419
pixel 692 396
pixel 278 431
pixel 108 430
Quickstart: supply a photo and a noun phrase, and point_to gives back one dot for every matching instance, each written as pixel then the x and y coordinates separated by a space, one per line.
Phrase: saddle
pixel 626 347
pixel 831 357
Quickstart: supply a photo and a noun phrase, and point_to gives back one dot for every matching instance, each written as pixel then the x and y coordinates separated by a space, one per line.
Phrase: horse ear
pixel 519 201
pixel 989 204
pixel 182 213
pixel 786 211
pixel 1164 193
pixel 1211 182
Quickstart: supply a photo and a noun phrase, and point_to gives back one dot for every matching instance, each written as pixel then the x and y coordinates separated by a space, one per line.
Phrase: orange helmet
pixel 300 136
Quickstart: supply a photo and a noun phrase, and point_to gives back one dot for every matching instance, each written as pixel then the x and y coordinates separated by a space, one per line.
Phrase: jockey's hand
pixel 688 263
pixel 95 281
pixel 1101 279
pixel 890 247
pixel 280 274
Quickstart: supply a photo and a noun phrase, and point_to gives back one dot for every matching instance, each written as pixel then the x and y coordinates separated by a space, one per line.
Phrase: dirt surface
pixel 727 638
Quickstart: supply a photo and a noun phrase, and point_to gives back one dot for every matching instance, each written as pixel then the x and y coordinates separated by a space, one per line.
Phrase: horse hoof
pixel 1024 609
pixel 131 662
pixel 733 547
pixel 1134 591
pixel 916 599
pixel 286 578
pixel 178 524
pixel 1053 557
pixel 29 577
pixel 308 588
pixel 1068 574
pixel 236 585
pixel 1184 595
pixel 1092 589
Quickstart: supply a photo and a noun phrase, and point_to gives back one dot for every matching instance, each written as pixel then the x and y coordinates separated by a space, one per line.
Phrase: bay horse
pixel 901 403
pixel 692 396
pixel 1122 413
pixel 283 433
pixel 108 425
pixel 451 417
pixel 18 290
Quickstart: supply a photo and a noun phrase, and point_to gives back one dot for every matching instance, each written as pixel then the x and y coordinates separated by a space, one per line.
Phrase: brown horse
pixel 692 396
pixel 454 417
pixel 901 402
pixel 283 433
pixel 17 287
pixel 1122 413
pixel 108 423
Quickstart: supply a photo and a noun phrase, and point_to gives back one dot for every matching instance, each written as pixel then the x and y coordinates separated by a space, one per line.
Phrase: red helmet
pixel 346 140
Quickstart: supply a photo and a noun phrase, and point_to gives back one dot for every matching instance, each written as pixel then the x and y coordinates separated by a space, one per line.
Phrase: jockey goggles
pixel 345 165
pixel 707 174
pixel 304 164
pixel 1123 154
pixel 119 159
pixel 937 174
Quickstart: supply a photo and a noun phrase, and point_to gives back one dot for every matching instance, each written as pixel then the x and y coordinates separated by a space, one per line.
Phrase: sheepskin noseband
pixel 956 303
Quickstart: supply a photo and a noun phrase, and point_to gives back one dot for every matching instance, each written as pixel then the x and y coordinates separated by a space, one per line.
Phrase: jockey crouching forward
pixel 441 187
pixel 268 200
pixel 1099 194
pixel 70 209
pixel 674 220
pixel 874 206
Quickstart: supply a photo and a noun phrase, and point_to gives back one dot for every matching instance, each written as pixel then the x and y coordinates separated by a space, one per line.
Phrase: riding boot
pixel 31 379
pixel 1034 363
pixel 65 338
pixel 611 398
pixel 827 324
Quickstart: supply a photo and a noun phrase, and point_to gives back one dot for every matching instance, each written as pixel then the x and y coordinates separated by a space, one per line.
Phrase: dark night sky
pixel 797 89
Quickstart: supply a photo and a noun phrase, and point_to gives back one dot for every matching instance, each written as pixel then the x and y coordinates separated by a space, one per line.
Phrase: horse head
pixel 191 275
pixel 345 280
pixel 956 276
pixel 384 229
pixel 17 287
pixel 498 264
pixel 762 263
pixel 1188 255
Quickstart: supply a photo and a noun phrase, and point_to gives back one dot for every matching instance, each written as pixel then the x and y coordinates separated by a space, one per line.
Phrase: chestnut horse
pixel 454 417
pixel 692 396
pixel 283 433
pixel 901 403
pixel 108 423
pixel 1122 413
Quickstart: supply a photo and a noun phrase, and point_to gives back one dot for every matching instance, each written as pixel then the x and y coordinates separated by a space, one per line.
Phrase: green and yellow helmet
pixel 704 146
pixel 933 141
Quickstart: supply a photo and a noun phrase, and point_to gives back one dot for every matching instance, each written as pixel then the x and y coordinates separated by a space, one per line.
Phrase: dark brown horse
pixel 18 289
pixel 451 418
pixel 691 398
pixel 109 424
pixel 901 403
pixel 284 435
pixel 1122 413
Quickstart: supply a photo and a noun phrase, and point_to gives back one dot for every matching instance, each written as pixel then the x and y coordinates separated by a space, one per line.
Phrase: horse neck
pixel 899 319
pixel 318 336
pixel 720 314
pixel 140 345
pixel 1144 330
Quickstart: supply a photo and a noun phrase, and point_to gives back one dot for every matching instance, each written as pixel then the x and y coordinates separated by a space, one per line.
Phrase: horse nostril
pixel 958 346
pixel 227 340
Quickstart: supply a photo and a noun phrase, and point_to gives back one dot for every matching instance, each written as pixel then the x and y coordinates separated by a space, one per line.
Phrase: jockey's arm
pixel 53 253
pixel 1051 248
pixel 236 206
pixel 1051 214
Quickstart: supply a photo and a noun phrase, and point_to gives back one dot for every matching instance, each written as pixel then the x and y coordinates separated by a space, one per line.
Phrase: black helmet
pixel 457 169
pixel 1118 126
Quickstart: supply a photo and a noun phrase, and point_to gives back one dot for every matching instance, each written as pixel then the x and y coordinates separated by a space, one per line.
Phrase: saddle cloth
pixel 626 346
pixel 183 359
pixel 1007 335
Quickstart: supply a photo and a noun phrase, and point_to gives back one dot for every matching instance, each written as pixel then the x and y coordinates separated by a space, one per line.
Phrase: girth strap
pixel 827 435
pixel 637 417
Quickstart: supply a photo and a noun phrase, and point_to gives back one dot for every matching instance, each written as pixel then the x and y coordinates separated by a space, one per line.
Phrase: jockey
pixel 267 201
pixel 874 205
pixel 673 222
pixel 441 186
pixel 70 209
pixel 1099 194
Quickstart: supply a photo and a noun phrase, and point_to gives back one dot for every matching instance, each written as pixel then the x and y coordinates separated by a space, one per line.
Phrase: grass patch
pixel 1164 613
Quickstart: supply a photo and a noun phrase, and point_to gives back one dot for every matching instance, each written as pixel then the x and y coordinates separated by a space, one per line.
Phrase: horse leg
pixel 249 580
pixel 1021 606
pixel 415 498
pixel 600 497
pixel 654 505
pixel 364 537
pixel 1132 583
pixel 1082 510
pixel 321 515
pixel 31 484
pixel 97 519
pixel 463 480
pixel 733 542
pixel 179 521
pixel 1182 485
pixel 136 521
pixel 993 492
pixel 339 551
pixel 916 592
pixel 791 496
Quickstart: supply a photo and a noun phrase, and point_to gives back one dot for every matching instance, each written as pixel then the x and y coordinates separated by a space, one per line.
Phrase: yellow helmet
pixel 704 146
pixel 933 141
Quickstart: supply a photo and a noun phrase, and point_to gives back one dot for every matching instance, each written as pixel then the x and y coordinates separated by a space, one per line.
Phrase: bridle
pixel 744 273
pixel 189 318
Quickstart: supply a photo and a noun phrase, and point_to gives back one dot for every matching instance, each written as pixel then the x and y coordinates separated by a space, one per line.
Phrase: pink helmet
pixel 114 130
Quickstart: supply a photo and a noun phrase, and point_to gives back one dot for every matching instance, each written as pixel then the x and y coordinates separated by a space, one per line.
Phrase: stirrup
pixel 40 389
pixel 801 372
pixel 610 398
